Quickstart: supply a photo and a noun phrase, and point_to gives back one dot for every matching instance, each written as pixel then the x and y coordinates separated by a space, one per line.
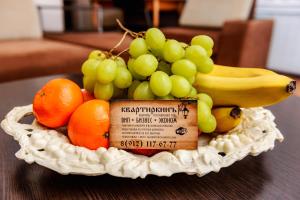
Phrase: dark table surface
pixel 271 175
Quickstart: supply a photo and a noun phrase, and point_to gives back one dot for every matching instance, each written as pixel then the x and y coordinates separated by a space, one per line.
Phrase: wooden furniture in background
pixel 96 21
pixel 156 6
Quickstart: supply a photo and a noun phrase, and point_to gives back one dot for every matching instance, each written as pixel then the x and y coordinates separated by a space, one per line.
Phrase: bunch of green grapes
pixel 166 68
pixel 158 68
pixel 105 77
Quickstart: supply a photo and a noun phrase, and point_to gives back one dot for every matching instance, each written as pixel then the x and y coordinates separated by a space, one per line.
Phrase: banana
pixel 227 118
pixel 244 87
pixel 239 72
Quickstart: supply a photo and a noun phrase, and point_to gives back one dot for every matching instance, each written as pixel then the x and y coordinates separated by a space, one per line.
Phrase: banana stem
pixel 236 112
pixel 291 87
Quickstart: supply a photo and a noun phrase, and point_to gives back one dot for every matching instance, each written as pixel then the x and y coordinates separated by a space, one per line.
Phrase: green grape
pixel 143 92
pixel 203 40
pixel 209 52
pixel 106 71
pixel 184 45
pixel 191 80
pixel 118 93
pixel 168 97
pixel 157 53
pixel 97 54
pixel 193 93
pixel 203 112
pixel 164 67
pixel 133 73
pixel 123 78
pixel 206 121
pixel 155 39
pixel 160 83
pixel 130 62
pixel 196 54
pixel 207 43
pixel 173 51
pixel 138 47
pixel 205 98
pixel 184 67
pixel 206 65
pixel 132 88
pixel 120 62
pixel 103 91
pixel 145 65
pixel 89 83
pixel 180 86
pixel 208 125
pixel 89 67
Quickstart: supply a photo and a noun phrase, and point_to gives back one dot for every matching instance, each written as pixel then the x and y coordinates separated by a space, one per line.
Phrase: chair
pixel 24 52
pixel 239 39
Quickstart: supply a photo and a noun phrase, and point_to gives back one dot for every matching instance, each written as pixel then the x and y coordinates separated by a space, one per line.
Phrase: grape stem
pixel 119 43
pixel 127 31
pixel 107 54
pixel 123 51
pixel 132 33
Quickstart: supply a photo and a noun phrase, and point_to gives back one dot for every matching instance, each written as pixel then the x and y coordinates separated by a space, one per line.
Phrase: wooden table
pixel 271 175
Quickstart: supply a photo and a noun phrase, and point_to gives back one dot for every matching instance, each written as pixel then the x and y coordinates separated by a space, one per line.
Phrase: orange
pixel 56 101
pixel 87 96
pixel 89 125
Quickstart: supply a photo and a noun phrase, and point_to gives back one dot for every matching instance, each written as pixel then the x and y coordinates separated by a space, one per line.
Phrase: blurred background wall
pixel 52 18
pixel 284 54
pixel 285 47
pixel 263 34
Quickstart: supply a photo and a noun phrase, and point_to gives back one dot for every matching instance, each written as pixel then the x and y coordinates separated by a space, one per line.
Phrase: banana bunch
pixel 244 87
pixel 227 118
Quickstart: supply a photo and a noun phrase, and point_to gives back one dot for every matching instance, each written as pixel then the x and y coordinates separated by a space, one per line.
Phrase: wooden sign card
pixel 159 124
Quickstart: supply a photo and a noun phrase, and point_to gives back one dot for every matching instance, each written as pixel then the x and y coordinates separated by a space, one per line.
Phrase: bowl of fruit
pixel 72 131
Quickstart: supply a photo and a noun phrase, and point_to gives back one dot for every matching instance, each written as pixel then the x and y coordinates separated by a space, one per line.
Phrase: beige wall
pixel 52 20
